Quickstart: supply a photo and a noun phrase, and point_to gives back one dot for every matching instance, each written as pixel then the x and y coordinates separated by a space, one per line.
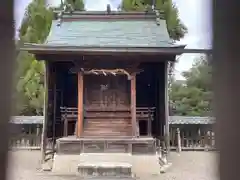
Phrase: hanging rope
pixel 106 72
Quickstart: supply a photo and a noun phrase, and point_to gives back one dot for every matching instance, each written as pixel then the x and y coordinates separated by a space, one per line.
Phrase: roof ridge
pixel 111 13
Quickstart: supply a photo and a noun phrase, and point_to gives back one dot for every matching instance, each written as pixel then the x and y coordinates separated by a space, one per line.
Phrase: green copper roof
pixel 123 33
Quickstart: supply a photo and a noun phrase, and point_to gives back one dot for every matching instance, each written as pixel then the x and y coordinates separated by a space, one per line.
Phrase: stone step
pixel 107 169
pixel 108 178
pixel 105 157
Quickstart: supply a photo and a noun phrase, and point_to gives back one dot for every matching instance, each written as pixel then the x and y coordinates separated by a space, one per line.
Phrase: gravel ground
pixel 25 165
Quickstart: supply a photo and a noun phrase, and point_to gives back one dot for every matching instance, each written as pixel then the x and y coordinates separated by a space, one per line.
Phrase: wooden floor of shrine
pixel 74 145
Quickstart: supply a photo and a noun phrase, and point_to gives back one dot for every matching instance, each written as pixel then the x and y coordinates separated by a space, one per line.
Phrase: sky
pixel 195 14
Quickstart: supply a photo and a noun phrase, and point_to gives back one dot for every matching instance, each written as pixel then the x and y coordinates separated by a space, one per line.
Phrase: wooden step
pixel 108 119
pixel 101 133
pixel 108 129
pixel 108 126
pixel 117 121
pixel 107 115
pixel 105 132
pixel 116 134
pixel 108 122
pixel 97 130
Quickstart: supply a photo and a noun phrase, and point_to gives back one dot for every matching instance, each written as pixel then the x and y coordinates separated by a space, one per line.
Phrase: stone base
pixel 140 164
pixel 105 158
pixel 105 169
pixel 72 145
pixel 105 164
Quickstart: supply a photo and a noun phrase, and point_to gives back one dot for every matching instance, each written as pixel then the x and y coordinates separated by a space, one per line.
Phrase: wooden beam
pixel 133 104
pixel 80 105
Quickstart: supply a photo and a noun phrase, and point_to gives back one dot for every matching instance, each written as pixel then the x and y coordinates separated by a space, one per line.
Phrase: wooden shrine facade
pixel 103 96
pixel 106 77
pixel 114 101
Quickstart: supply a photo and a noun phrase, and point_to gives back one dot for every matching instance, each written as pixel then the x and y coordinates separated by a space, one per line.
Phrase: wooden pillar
pixel 38 130
pixel 179 144
pixel 45 112
pixel 54 108
pixel 133 105
pixel 38 139
pixel 80 105
pixel 166 109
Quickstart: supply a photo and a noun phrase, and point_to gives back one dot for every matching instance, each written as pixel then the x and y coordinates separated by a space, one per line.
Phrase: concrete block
pixel 105 157
pixel 105 169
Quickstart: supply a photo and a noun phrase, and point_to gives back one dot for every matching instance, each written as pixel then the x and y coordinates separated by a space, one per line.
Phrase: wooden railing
pixel 193 142
pixel 29 142
pixel 25 141
pixel 69 114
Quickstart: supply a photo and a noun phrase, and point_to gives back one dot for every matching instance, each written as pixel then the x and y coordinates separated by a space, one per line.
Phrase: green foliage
pixel 29 76
pixel 132 5
pixel 77 5
pixel 36 23
pixel 176 28
pixel 35 27
pixel 194 97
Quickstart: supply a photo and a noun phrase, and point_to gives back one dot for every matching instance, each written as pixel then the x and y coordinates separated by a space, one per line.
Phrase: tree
pixel 29 77
pixel 132 5
pixel 29 80
pixel 194 97
pixel 176 28
pixel 199 75
pixel 77 5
